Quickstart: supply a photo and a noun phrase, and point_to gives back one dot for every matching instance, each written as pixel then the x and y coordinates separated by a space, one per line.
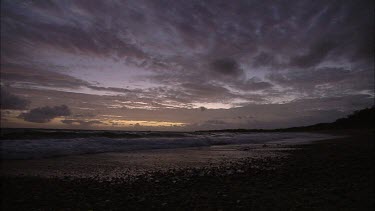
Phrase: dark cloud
pixel 65 34
pixel 11 101
pixel 226 67
pixel 38 76
pixel 45 114
pixel 316 53
pixel 122 29
pixel 205 92
pixel 327 80
pixel 310 77
pixel 202 108
pixel 264 59
pixel 137 125
pixel 15 73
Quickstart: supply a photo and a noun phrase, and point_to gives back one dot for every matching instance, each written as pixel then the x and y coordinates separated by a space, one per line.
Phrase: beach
pixel 187 105
pixel 327 174
pixel 125 157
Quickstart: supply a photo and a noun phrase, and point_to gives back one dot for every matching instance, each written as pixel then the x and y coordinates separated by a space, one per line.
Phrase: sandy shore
pixel 132 164
pixel 333 174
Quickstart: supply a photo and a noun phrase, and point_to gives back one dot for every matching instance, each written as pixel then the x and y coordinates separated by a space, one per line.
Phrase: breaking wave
pixel 36 148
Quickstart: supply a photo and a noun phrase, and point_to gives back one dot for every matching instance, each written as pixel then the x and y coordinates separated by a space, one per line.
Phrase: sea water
pixel 96 142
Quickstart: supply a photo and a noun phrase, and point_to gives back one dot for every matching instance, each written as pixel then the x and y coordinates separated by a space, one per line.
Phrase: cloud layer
pixel 11 101
pixel 45 114
pixel 132 59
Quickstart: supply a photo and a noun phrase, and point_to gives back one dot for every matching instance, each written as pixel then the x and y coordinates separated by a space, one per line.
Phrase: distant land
pixel 361 119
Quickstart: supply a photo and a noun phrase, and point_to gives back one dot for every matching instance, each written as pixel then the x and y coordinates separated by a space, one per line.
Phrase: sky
pixel 184 65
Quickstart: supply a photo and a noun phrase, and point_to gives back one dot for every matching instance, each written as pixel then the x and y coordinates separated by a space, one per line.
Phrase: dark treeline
pixel 361 119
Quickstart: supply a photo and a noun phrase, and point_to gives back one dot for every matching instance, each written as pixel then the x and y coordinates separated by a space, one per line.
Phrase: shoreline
pixel 35 149
pixel 330 174
pixel 128 164
pixel 131 164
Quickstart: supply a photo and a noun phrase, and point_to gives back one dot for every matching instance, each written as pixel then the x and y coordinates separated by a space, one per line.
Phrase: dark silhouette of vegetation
pixel 361 119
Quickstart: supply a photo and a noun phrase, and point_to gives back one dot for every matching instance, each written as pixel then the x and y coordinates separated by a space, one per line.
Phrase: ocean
pixel 37 144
